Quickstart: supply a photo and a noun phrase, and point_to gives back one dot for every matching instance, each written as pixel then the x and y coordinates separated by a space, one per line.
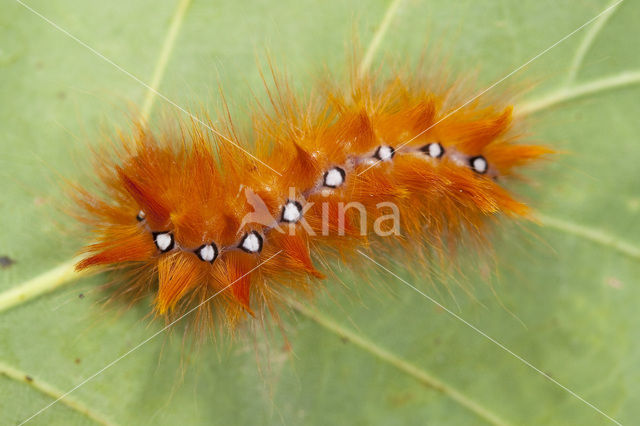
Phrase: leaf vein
pixel 53 392
pixel 616 81
pixel 401 364
pixel 163 59
pixel 592 234
pixel 587 41
pixel 378 36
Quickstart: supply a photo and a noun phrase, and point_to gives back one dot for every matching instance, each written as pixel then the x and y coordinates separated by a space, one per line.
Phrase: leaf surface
pixel 564 296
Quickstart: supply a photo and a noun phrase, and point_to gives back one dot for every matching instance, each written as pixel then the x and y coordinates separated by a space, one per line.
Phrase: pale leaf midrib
pixel 49 390
pixel 399 363
pixel 578 91
pixel 591 234
pixel 589 38
pixel 163 60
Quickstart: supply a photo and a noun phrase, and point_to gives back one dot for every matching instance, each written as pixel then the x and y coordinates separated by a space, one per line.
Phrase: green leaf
pixel 563 297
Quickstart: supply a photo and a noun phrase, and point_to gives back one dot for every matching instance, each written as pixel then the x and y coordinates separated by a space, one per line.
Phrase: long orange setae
pixel 197 215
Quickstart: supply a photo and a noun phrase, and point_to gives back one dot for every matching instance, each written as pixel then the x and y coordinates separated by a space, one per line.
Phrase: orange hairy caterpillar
pixel 355 353
pixel 390 162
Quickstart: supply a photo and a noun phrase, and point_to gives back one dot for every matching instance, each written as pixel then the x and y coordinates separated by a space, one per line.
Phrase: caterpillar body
pixel 205 212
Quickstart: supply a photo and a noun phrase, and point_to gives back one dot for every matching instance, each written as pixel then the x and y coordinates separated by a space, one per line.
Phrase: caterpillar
pixel 390 163
pixel 575 299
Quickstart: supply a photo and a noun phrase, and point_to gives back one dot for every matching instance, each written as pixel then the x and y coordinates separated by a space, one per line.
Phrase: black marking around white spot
pixel 291 212
pixel 164 241
pixel 251 242
pixel 479 164
pixel 207 252
pixel 334 177
pixel 384 153
pixel 433 150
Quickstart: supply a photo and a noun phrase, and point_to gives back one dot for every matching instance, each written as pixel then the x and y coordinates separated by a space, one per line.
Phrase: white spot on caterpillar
pixel 291 212
pixel 141 215
pixel 252 242
pixel 207 253
pixel 164 241
pixel 433 150
pixel 384 153
pixel 333 178
pixel 479 164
